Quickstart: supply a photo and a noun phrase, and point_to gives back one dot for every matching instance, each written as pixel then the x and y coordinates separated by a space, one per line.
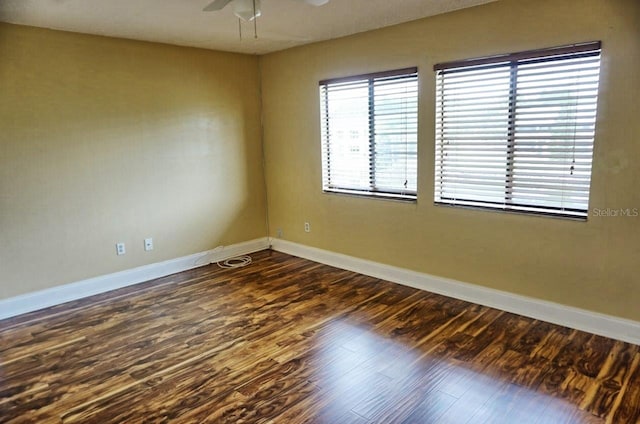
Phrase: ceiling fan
pixel 248 10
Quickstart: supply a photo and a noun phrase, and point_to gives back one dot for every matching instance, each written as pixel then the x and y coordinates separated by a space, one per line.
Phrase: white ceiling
pixel 283 24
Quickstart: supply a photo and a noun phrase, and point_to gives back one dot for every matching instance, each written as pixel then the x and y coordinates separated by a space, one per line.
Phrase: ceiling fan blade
pixel 316 2
pixel 216 5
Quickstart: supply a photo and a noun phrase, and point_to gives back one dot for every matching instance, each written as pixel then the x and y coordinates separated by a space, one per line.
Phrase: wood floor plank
pixel 287 340
pixel 625 406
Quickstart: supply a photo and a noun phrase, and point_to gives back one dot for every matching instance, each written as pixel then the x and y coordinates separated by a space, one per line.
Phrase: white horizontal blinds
pixel 395 133
pixel 555 119
pixel 345 137
pixel 518 134
pixel 472 120
pixel 369 133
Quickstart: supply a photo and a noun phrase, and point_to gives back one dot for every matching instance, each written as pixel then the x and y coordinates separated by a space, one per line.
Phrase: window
pixel 515 132
pixel 369 134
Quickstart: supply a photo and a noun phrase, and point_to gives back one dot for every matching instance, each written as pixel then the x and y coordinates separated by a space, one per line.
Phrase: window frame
pixel 373 191
pixel 513 61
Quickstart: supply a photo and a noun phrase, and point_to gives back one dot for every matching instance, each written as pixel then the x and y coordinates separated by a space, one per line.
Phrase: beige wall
pixel 105 140
pixel 593 265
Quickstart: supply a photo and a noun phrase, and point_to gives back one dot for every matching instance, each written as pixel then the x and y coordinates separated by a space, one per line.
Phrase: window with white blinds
pixel 370 134
pixel 515 132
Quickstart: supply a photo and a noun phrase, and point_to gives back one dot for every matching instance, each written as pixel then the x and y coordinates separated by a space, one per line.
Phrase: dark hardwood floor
pixel 286 340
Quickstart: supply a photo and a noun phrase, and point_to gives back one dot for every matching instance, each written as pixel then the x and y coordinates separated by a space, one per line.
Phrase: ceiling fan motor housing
pixel 247 10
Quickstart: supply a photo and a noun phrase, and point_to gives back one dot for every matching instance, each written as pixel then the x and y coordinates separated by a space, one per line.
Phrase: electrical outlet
pixel 120 249
pixel 148 244
pixel 307 227
pixel 279 232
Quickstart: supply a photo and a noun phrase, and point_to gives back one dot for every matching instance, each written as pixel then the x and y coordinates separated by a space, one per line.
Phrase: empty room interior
pixel 320 211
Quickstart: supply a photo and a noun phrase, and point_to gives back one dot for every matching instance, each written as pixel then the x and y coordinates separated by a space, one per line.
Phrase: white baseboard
pixel 580 319
pixel 568 316
pixel 65 293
